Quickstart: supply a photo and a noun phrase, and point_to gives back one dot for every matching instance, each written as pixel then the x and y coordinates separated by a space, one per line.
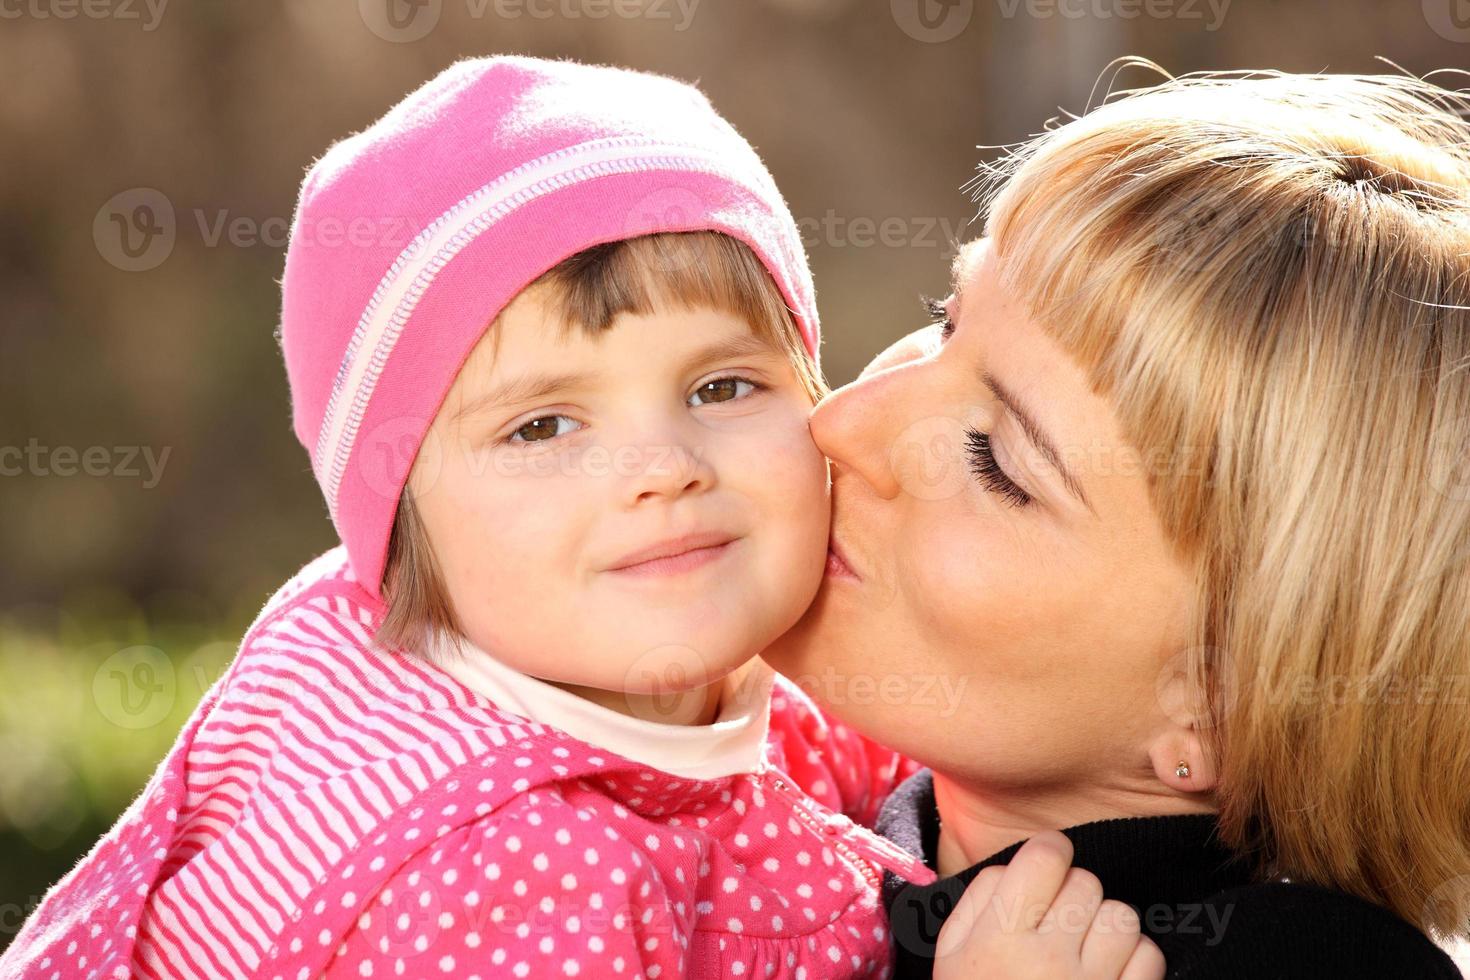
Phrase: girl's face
pixel 1013 599
pixel 558 460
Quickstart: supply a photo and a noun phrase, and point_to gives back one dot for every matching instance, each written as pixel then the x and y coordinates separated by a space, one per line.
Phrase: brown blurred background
pixel 152 494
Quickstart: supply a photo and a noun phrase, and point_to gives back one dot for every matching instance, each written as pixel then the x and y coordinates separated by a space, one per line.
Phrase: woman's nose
pixel 912 346
pixel 857 425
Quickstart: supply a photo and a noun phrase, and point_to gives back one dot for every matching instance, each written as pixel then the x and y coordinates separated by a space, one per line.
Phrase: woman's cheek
pixel 979 603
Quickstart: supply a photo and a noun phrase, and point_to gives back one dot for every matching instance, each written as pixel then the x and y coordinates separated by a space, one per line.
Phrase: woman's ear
pixel 1182 762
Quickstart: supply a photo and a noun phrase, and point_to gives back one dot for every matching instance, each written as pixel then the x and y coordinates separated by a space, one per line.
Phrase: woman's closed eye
pixel 977 444
pixel 716 391
pixel 988 471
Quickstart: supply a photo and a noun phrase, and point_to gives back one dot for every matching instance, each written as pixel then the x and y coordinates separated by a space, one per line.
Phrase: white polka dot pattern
pixel 335 809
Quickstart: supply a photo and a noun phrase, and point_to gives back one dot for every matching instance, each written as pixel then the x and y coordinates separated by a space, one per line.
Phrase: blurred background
pixel 152 494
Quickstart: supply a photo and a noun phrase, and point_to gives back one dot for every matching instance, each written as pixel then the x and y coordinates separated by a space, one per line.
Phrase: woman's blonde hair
pixel 1268 276
pixel 589 290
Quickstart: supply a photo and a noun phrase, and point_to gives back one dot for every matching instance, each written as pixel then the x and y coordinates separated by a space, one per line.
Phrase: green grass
pixel 91 699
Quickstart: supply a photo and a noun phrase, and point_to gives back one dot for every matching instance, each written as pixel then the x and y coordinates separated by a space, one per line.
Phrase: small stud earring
pixel 1182 770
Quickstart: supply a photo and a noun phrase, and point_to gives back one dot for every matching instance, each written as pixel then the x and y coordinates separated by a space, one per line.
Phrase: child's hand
pixel 1041 918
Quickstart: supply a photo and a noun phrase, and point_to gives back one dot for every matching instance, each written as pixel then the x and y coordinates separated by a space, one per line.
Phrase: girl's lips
pixel 686 561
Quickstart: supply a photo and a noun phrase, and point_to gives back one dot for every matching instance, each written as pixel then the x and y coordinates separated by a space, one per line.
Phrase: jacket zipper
pixel 836 829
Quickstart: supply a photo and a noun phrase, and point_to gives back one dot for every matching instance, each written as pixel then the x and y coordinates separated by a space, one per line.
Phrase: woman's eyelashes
pixel 727 388
pixel 977 444
pixel 939 314
pixel 988 471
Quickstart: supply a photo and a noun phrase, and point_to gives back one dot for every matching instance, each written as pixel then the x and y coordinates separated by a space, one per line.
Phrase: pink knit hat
pixel 412 235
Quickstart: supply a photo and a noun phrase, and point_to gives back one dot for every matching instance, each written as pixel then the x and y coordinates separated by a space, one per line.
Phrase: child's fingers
pixel 1073 910
pixel 1112 940
pixel 968 910
pixel 1034 877
pixel 1147 962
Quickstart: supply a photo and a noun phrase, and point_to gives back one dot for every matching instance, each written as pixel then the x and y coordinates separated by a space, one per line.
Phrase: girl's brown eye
pixel 539 430
pixel 724 390
pixel 534 431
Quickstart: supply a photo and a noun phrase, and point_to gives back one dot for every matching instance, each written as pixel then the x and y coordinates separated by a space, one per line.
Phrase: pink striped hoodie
pixel 335 809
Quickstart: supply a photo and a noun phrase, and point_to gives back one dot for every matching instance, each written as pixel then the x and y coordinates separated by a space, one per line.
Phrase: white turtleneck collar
pixel 733 743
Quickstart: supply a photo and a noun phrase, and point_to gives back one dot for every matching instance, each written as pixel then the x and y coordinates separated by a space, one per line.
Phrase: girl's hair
pixel 1268 276
pixel 589 290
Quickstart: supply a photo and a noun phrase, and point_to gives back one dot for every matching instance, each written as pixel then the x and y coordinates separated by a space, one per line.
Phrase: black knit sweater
pixel 1200 905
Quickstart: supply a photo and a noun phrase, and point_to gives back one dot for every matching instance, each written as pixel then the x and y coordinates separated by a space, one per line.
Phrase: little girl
pixel 552 343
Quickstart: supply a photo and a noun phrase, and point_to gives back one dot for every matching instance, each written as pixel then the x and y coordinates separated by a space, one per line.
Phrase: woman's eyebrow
pixel 1037 435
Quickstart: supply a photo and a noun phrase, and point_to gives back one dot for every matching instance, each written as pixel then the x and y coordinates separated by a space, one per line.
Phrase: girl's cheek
pixel 791 442
pixel 786 471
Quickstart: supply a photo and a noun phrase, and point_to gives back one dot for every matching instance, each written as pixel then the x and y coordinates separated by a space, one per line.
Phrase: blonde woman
pixel 1170 502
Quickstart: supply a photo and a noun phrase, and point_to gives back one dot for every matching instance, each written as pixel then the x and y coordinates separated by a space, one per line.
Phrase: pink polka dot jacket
pixel 334 809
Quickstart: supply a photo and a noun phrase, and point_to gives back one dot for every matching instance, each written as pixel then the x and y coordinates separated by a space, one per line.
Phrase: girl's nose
pixel 857 426
pixel 668 468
